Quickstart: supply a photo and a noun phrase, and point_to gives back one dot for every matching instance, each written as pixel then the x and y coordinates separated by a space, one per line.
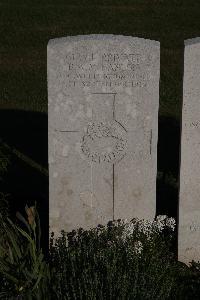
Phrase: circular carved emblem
pixel 104 142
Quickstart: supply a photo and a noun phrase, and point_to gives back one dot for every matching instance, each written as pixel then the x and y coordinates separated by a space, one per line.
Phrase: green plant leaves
pixel 22 262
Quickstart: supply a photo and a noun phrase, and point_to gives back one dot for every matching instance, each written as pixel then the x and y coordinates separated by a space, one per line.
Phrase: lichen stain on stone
pixel 64 184
pixel 136 193
pixel 88 216
pixel 69 192
pixel 65 180
pixel 88 201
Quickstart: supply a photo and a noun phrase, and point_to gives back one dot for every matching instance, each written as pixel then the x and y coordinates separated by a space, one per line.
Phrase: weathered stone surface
pixel 189 202
pixel 103 93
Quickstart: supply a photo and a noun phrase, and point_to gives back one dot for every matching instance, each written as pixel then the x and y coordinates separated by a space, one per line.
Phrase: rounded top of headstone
pixel 100 37
pixel 193 41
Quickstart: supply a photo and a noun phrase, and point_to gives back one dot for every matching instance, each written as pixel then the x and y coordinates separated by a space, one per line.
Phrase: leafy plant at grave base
pixel 120 261
pixel 4 211
pixel 24 274
pixel 189 282
pixel 123 260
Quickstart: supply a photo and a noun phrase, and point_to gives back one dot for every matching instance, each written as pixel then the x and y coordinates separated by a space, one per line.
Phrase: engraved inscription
pixel 104 142
pixel 194 124
pixel 194 227
pixel 106 69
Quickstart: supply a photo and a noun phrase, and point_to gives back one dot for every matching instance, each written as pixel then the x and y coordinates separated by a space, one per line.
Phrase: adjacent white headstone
pixel 103 94
pixel 189 198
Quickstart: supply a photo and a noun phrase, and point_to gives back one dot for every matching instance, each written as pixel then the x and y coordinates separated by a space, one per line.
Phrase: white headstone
pixel 189 198
pixel 103 94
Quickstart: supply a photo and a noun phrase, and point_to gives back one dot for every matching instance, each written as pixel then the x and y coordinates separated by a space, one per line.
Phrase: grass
pixel 26 27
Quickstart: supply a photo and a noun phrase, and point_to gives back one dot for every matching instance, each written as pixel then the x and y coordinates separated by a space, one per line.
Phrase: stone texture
pixel 103 95
pixel 189 198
